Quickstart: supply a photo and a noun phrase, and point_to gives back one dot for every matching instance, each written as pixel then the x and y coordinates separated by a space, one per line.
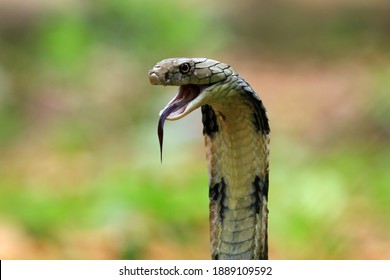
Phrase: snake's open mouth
pixel 176 108
pixel 179 103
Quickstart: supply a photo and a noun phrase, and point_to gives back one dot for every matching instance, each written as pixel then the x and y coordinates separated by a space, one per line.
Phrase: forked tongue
pixel 185 95
pixel 160 129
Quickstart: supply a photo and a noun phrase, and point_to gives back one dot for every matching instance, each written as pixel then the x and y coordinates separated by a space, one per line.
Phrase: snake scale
pixel 236 132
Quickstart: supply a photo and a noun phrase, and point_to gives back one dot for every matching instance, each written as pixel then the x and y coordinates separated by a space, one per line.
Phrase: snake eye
pixel 184 68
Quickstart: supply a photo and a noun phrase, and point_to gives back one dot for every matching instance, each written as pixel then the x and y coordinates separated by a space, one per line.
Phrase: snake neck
pixel 237 154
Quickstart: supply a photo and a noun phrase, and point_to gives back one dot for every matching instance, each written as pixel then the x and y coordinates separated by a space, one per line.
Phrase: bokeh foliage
pixel 80 175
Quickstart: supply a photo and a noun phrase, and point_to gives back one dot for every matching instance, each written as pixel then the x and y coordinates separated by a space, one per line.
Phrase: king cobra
pixel 236 132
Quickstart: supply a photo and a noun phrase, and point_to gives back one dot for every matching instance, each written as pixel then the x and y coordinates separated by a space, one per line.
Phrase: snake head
pixel 194 76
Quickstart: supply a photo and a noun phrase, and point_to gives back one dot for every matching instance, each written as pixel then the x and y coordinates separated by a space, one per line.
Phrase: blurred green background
pixel 80 173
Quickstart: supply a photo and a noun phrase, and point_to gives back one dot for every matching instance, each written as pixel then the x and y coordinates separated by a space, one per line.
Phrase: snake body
pixel 236 132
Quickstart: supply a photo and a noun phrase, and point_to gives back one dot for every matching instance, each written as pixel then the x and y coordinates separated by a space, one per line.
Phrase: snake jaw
pixel 177 107
pixel 186 100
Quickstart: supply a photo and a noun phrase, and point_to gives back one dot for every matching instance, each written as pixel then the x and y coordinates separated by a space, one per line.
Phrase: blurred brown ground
pixel 101 123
